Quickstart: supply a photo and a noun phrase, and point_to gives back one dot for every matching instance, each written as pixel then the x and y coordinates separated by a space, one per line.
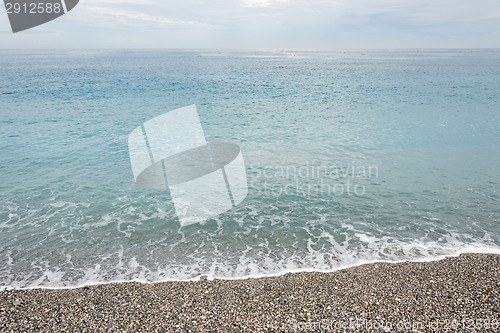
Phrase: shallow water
pixel 350 157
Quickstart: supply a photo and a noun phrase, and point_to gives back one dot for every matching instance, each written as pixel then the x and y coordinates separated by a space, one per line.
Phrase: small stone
pixel 17 302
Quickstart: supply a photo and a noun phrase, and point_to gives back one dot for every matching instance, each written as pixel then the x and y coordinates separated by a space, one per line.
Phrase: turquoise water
pixel 351 157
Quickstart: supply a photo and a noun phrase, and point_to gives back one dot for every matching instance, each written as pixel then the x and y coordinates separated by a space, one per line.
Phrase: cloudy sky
pixel 294 24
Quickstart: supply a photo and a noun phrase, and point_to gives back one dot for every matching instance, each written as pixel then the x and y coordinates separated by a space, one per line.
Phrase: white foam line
pixel 476 250
pixel 469 249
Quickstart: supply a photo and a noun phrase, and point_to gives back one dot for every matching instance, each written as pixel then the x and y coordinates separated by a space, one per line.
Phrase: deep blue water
pixel 351 156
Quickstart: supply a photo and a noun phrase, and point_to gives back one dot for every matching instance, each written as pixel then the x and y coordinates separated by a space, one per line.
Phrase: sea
pixel 351 157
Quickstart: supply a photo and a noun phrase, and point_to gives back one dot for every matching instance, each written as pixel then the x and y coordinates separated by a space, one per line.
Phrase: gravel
pixel 457 294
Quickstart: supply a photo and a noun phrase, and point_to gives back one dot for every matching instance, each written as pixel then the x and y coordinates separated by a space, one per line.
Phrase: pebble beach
pixel 457 294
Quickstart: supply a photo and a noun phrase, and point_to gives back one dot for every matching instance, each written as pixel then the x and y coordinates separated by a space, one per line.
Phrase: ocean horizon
pixel 350 157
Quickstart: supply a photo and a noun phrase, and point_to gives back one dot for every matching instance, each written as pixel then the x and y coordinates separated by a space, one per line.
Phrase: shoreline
pixel 461 293
pixel 467 250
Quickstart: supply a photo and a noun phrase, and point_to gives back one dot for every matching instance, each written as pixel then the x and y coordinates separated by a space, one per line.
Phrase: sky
pixel 274 24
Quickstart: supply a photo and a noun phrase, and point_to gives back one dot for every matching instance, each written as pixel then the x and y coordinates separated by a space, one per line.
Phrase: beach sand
pixel 459 293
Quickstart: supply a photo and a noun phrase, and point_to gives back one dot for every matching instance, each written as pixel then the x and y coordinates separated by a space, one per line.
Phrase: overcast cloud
pixel 295 24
